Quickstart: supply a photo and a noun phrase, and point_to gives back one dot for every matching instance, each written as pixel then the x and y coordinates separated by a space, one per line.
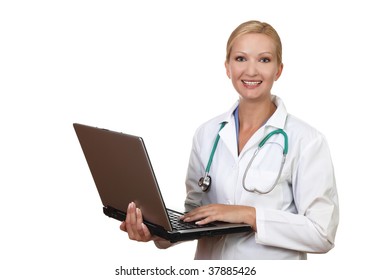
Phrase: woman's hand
pixel 223 213
pixel 134 225
pixel 137 230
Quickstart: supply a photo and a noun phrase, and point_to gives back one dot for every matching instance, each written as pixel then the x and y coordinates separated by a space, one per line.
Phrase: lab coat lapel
pixel 228 137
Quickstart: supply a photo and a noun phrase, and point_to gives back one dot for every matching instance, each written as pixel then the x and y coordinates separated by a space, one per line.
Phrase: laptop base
pixel 174 236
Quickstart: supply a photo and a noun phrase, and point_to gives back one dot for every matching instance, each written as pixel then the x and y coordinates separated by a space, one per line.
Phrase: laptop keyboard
pixel 178 224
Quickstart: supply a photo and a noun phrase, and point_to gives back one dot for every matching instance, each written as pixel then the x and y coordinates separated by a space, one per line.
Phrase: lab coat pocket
pixel 264 169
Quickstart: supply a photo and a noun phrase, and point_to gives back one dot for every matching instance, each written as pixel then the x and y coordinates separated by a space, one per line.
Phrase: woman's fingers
pixel 130 220
pixel 141 227
pixel 134 225
pixel 201 215
pixel 123 226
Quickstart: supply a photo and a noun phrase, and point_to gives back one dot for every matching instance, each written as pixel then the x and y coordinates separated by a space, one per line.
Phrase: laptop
pixel 122 172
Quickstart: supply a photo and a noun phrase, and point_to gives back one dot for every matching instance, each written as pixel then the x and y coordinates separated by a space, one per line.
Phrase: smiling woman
pixel 289 197
pixel 253 62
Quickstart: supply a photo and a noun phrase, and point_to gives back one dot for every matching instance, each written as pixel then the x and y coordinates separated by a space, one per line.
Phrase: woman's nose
pixel 251 69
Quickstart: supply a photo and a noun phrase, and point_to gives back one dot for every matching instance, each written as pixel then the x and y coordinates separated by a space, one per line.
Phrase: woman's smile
pixel 251 84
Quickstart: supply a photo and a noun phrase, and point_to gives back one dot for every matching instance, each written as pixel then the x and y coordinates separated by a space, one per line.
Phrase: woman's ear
pixel 227 69
pixel 280 70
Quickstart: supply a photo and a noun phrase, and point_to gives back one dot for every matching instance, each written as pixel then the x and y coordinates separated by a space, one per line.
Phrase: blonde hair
pixel 255 26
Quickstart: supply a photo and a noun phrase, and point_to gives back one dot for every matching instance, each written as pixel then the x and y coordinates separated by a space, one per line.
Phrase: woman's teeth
pixel 251 83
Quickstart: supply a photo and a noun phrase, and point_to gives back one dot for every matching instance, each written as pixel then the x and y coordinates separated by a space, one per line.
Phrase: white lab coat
pixel 300 215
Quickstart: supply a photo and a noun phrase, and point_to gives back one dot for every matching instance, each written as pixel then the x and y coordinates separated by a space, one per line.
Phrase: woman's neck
pixel 252 115
pixel 255 114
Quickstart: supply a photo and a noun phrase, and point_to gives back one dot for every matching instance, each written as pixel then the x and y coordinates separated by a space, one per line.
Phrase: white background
pixel 155 69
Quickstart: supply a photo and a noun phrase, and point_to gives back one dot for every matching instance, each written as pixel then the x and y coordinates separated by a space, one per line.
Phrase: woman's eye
pixel 265 60
pixel 240 59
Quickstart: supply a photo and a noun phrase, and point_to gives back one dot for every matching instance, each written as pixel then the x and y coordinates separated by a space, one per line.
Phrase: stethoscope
pixel 205 182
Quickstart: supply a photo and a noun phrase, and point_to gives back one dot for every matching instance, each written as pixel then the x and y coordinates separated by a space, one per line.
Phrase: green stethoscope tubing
pixel 260 146
pixel 277 131
pixel 205 181
pixel 214 148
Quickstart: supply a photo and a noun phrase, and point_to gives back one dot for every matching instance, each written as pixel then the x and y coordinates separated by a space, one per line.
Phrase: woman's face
pixel 253 66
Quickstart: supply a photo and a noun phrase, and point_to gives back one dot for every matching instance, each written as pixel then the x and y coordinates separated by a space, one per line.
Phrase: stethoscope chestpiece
pixel 205 183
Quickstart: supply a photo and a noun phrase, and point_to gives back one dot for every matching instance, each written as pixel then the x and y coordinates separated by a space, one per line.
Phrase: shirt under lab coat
pixel 299 215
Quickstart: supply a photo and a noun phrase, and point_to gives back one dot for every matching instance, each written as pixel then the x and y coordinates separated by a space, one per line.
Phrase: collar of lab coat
pixel 276 121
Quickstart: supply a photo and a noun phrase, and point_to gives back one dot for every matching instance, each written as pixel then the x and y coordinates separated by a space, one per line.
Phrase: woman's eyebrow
pixel 261 53
pixel 265 53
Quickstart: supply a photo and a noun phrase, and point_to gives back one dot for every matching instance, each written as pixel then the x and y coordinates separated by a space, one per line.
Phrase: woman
pixel 297 214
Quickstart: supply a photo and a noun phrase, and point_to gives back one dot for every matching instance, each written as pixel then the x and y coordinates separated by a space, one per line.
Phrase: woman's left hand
pixel 223 213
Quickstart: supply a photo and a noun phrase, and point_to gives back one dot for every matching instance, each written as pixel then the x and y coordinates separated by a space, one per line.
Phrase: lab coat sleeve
pixel 194 193
pixel 314 226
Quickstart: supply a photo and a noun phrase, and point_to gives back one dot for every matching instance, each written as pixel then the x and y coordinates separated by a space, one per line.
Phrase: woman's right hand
pixel 134 225
pixel 137 230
